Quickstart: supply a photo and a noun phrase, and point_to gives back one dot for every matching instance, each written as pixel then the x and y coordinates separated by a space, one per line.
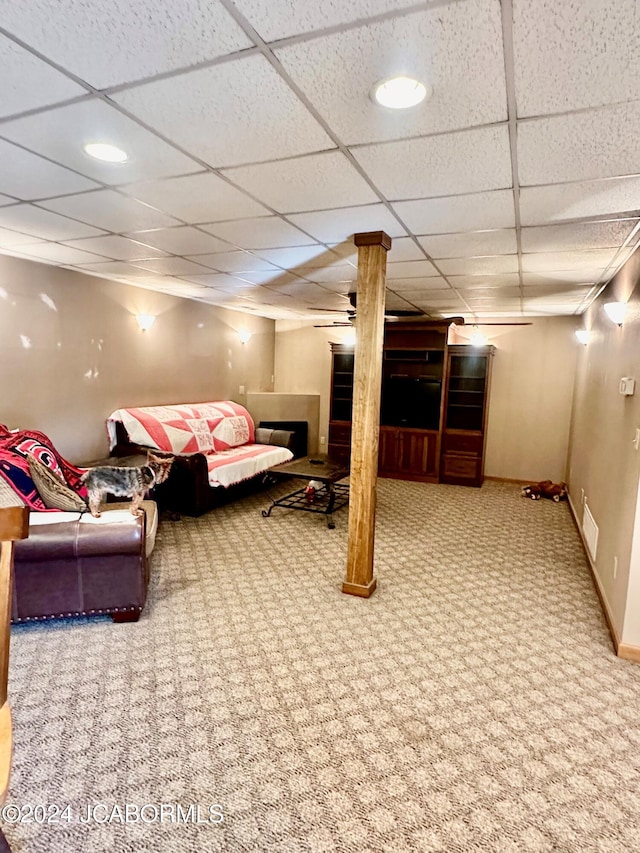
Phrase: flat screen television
pixel 410 402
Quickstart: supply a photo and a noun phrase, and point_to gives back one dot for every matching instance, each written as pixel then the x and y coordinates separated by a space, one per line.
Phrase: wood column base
pixel 364 591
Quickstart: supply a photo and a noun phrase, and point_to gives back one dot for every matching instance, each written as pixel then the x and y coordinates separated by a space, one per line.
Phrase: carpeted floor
pixel 473 703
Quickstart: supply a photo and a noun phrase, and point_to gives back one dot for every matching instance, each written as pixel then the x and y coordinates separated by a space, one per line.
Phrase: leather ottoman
pixel 73 565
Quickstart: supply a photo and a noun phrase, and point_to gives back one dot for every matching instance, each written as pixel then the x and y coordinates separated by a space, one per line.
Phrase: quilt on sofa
pixel 223 431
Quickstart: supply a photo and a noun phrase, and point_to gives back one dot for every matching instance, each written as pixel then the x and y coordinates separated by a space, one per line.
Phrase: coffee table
pixel 332 496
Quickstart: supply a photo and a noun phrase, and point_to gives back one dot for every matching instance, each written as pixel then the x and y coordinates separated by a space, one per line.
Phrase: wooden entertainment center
pixel 433 411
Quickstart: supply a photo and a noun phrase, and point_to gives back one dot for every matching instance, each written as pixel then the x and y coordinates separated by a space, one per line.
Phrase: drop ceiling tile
pixel 472 244
pixel 576 236
pixel 410 269
pixel 455 48
pixel 309 293
pixel 116 248
pixel 580 147
pixel 279 20
pixel 234 262
pixel 469 161
pixel 418 296
pixel 403 249
pixel 14 238
pixel 399 285
pixel 563 291
pixel 331 226
pixel 483 281
pixel 544 205
pixel 319 181
pixel 574 55
pixel 172 266
pixel 581 276
pixel 258 277
pixel 474 295
pixel 490 295
pixel 114 268
pixel 174 286
pixel 458 213
pixel 265 232
pixel 183 240
pixel 33 83
pixel 393 302
pixel 339 287
pixel 494 265
pixel 553 261
pixel 109 210
pixel 312 256
pixel 60 134
pixel 43 223
pixel 27 176
pixel 57 254
pixel 328 274
pixel 257 115
pixel 197 198
pixel 219 280
pixel 94 39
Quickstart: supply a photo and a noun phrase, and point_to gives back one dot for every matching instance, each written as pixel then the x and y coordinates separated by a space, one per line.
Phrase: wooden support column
pixel 365 422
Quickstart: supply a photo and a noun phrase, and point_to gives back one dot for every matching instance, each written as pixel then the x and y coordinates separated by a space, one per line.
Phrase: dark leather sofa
pixel 187 491
pixel 72 568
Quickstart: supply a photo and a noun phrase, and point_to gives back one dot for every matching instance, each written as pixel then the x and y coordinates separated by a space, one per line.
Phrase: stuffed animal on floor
pixel 545 489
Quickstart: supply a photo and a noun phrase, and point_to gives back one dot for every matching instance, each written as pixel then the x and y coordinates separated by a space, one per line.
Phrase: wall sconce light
pixel 583 336
pixel 145 321
pixel 245 335
pixel 478 339
pixel 616 312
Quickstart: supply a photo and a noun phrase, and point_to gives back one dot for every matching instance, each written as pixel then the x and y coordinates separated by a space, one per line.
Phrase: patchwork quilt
pixel 186 428
pixel 223 431
pixel 16 447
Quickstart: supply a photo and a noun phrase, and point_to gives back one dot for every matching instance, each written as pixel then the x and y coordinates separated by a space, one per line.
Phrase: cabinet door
pixel 418 453
pixel 408 454
pixel 388 451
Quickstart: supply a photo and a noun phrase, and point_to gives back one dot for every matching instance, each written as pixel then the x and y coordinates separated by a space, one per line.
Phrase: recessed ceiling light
pixel 106 152
pixel 399 93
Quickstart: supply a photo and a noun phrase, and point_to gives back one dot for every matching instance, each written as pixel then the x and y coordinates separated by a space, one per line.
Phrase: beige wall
pixel 531 397
pixel 272 406
pixel 603 464
pixel 303 364
pixel 71 352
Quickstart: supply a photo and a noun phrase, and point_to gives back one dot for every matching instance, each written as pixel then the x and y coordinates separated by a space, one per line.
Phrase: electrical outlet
pixel 241 389
pixel 321 439
pixel 615 567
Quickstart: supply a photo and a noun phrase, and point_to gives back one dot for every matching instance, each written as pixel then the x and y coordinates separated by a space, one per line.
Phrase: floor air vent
pixel 590 531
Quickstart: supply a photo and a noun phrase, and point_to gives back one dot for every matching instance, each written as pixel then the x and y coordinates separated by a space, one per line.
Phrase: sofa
pixel 72 564
pixel 219 453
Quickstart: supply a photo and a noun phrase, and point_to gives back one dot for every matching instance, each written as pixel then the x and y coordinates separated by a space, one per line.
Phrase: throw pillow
pixel 54 492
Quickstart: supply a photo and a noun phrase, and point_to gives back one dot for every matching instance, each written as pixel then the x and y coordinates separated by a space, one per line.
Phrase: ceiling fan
pixel 394 314
pixel 389 314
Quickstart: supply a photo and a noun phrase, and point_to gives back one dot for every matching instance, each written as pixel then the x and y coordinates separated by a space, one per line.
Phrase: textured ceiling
pixel 255 151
